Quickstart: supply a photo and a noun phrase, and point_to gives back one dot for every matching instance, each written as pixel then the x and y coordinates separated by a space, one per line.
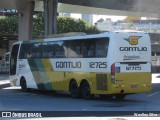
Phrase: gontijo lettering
pixel 68 64
pixel 133 48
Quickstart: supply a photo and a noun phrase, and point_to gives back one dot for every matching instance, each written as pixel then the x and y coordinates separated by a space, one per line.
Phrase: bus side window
pixel 91 51
pixel 25 52
pixel 36 50
pixel 84 51
pixel 74 50
pixel 13 59
pixel 102 47
pixel 60 50
pixel 88 49
pixel 48 50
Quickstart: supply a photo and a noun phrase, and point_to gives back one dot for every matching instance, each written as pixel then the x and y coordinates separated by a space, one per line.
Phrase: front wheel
pixel 23 85
pixel 108 97
pixel 86 92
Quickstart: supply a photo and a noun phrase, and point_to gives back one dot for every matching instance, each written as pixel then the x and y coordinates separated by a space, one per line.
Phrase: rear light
pixel 113 70
pixel 113 73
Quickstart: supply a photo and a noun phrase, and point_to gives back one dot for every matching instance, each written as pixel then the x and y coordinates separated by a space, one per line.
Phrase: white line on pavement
pixel 153 94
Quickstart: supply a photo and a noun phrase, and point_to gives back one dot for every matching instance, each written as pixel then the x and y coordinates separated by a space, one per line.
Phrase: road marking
pixel 13 93
pixel 4 82
pixel 12 88
pixel 153 94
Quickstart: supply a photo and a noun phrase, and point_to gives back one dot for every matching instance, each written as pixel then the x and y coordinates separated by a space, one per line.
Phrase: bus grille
pixel 101 80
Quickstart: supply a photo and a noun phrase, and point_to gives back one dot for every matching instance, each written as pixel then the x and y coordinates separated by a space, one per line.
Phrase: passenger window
pixel 74 49
pixel 48 50
pixel 36 50
pixel 60 50
pixel 13 59
pixel 102 47
pixel 88 49
pixel 25 51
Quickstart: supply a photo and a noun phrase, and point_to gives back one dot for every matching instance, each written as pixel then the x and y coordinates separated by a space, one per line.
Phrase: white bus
pixel 4 65
pixel 106 64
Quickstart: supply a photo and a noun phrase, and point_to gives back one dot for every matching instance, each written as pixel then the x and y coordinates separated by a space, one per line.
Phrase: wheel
pixel 74 90
pixel 120 96
pixel 106 96
pixel 86 92
pixel 23 85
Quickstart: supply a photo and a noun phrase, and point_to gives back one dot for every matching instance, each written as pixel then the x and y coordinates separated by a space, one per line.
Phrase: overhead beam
pixel 68 8
pixel 13 4
pixel 150 6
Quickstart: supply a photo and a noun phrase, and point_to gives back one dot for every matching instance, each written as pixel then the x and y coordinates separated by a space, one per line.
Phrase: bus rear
pixel 131 63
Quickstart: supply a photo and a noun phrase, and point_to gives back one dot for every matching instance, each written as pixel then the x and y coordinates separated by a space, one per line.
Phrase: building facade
pixel 88 18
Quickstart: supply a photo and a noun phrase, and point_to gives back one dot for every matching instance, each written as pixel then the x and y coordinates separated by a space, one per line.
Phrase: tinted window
pixel 89 48
pixel 36 50
pixel 13 59
pixel 30 50
pixel 25 51
pixel 48 50
pixel 102 47
pixel 74 50
pixel 60 50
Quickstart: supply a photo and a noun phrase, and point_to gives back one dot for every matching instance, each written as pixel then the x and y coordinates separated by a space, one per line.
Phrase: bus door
pixel 13 59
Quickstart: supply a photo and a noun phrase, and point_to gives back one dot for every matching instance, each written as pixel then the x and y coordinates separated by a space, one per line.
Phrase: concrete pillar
pixel 50 10
pixel 46 17
pixel 25 23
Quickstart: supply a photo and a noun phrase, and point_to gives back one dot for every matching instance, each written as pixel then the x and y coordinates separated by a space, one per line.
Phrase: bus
pixel 6 57
pixel 108 64
pixel 4 65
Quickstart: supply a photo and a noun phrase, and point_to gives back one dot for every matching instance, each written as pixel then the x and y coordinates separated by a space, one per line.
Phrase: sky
pixel 97 17
pixel 113 18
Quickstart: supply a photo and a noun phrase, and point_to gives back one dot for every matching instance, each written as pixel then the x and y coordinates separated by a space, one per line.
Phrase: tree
pixel 9 25
pixel 67 24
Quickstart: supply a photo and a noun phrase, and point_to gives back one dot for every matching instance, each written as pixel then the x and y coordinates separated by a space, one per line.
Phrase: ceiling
pixel 150 6
pixel 108 7
pixel 13 4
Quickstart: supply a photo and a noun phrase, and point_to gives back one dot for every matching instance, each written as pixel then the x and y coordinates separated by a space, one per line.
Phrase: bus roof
pixel 77 35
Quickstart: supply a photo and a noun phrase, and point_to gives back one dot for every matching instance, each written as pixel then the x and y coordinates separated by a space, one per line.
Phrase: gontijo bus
pixel 105 64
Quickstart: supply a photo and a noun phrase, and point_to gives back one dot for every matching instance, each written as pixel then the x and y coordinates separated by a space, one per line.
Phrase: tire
pixel 23 85
pixel 107 97
pixel 120 96
pixel 74 90
pixel 86 92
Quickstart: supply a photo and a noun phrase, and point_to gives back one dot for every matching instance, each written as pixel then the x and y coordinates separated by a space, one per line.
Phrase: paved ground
pixel 13 99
